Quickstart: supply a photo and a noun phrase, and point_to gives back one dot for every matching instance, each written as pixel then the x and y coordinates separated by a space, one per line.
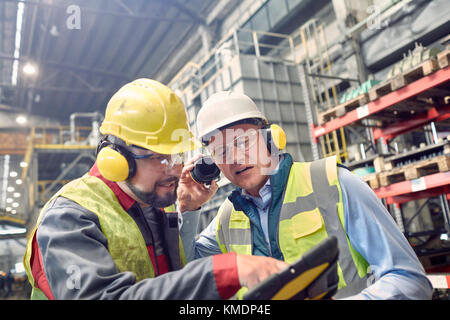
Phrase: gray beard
pixel 152 199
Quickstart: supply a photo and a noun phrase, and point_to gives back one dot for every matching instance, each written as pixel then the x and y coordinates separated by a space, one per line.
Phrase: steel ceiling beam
pixel 59 65
pixel 188 11
pixel 59 89
pixel 114 56
pixel 26 96
pixel 84 9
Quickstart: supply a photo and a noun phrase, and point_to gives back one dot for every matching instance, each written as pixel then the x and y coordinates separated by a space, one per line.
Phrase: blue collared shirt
pixel 262 204
pixel 371 230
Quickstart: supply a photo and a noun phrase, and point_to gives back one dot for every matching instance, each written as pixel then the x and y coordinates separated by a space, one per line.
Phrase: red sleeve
pixel 37 270
pixel 226 274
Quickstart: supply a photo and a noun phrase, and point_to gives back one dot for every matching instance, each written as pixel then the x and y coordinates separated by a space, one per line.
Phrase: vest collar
pixel 125 200
pixel 277 182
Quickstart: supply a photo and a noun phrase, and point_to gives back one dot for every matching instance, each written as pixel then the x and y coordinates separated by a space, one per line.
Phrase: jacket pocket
pixel 306 223
pixel 239 220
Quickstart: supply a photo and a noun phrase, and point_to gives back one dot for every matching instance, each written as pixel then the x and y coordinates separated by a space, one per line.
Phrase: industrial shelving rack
pixel 416 103
pixel 371 109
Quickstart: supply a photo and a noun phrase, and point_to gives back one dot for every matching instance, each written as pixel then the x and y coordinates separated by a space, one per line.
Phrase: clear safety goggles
pixel 242 143
pixel 157 159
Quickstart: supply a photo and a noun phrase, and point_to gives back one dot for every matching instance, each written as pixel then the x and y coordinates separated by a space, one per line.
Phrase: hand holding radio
pixel 205 171
pixel 193 194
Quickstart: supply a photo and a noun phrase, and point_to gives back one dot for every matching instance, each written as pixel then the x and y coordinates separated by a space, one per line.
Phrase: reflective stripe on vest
pixel 312 209
pixel 125 241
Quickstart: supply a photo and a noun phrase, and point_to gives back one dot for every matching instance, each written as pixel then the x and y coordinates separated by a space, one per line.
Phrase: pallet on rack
pixel 343 108
pixel 380 90
pixel 429 166
pixel 393 176
pixel 415 73
pixel 415 170
pixel 372 180
pixel 389 163
pixel 379 164
pixel 443 58
pixel 403 79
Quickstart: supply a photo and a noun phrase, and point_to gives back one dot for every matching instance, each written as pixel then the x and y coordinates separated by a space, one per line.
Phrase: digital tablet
pixel 313 276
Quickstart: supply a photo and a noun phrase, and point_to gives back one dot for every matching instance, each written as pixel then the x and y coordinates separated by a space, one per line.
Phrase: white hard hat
pixel 224 108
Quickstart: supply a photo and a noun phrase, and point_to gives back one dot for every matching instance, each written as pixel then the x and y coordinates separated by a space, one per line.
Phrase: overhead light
pixel 444 237
pixel 16 194
pixel 19 267
pixel 54 31
pixel 29 69
pixel 9 200
pixel 19 181
pixel 13 211
pixel 5 180
pixel 15 205
pixel 21 119
pixel 23 164
pixel 19 20
pixel 13 231
pixel 8 209
pixel 10 189
pixel 13 174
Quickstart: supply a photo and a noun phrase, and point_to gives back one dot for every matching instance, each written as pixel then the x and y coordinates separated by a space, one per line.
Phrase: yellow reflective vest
pixel 311 210
pixel 125 241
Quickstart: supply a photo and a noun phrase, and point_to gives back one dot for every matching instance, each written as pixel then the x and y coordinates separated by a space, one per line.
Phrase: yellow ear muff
pixel 112 165
pixel 278 136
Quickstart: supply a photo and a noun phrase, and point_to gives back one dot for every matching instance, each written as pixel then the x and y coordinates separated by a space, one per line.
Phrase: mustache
pixel 169 180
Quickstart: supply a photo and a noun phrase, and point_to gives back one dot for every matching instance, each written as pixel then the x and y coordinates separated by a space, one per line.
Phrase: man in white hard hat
pixel 281 208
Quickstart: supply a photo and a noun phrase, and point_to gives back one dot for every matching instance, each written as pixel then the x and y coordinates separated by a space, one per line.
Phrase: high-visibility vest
pixel 311 210
pixel 125 241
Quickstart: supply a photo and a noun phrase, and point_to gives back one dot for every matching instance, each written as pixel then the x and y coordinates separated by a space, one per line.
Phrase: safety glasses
pixel 157 159
pixel 242 143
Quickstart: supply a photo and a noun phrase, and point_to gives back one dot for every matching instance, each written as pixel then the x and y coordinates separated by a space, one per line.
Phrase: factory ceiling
pixel 78 53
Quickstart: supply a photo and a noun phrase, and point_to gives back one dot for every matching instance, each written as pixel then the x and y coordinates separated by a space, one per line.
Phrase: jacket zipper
pixel 154 252
pixel 153 240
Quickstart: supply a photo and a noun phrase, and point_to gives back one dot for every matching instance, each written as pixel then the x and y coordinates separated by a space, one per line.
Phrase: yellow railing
pixel 317 59
pixel 57 137
pixel 12 219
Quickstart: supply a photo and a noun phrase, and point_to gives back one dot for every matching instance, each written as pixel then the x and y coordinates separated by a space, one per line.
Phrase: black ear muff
pixel 205 170
pixel 275 138
pixel 115 162
pixel 103 144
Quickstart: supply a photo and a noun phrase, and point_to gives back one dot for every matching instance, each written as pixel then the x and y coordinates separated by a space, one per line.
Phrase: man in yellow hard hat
pixel 114 233
pixel 282 209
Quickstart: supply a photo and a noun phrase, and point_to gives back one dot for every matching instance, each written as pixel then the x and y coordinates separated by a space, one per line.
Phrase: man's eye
pixel 158 158
pixel 242 142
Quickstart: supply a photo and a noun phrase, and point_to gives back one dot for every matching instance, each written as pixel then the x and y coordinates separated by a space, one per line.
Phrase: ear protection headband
pixel 115 162
pixel 275 138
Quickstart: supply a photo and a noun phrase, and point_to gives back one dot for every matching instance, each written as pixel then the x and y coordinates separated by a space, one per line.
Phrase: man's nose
pixel 239 156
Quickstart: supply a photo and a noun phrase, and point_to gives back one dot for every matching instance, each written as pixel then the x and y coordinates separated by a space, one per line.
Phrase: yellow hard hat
pixel 150 115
